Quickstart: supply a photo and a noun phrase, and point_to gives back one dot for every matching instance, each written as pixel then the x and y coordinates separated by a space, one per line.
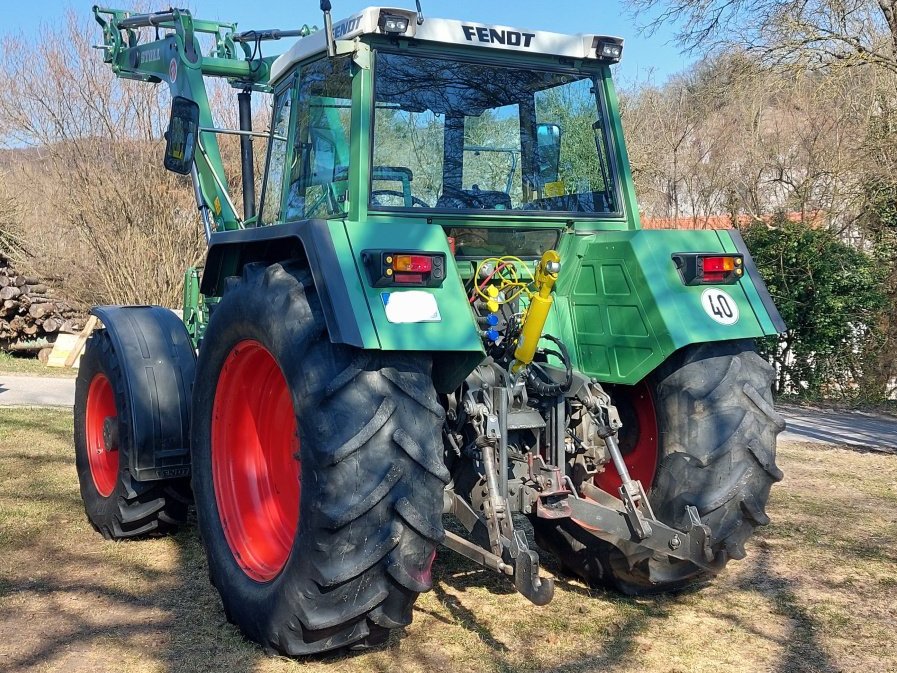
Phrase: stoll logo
pixel 509 37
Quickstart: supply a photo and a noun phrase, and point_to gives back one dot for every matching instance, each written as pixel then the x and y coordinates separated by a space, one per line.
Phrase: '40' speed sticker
pixel 720 306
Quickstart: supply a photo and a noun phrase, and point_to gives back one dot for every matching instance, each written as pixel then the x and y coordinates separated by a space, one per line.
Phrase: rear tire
pixel 717 435
pixel 117 505
pixel 369 515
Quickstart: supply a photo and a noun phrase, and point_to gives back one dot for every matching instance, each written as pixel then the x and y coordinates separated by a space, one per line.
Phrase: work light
pixel 393 25
pixel 608 48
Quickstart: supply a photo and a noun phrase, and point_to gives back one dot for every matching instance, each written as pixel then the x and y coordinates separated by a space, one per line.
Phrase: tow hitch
pixel 627 521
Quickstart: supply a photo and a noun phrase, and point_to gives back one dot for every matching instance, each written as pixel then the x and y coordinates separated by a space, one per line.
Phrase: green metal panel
pixel 621 158
pixel 360 171
pixel 456 331
pixel 350 272
pixel 629 309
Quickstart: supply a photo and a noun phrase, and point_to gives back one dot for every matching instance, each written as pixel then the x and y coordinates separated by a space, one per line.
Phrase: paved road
pixel 36 391
pixel 839 427
pixel 804 424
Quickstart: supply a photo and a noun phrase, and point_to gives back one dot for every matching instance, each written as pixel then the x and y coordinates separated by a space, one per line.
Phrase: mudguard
pixel 622 301
pixel 158 363
pixel 354 310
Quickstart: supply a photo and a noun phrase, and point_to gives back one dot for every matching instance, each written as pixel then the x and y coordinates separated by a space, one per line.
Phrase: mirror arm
pixel 328 28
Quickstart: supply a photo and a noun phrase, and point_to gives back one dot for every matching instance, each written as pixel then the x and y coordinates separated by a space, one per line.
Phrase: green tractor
pixel 442 304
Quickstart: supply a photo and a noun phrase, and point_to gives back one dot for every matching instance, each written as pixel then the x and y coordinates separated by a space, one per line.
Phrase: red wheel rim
pixel 255 464
pixel 103 459
pixel 638 437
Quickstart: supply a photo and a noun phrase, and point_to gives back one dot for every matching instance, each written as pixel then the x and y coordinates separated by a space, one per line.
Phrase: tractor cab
pixel 445 120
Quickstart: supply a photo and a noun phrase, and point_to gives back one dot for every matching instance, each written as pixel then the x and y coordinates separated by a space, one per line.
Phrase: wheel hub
pixel 255 460
pixel 101 427
pixel 638 438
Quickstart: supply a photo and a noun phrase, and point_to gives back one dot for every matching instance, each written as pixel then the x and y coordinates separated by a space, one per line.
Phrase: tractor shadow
pixel 459 584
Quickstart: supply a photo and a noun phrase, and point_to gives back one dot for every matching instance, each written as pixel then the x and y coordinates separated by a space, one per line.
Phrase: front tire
pixel 117 505
pixel 317 471
pixel 716 442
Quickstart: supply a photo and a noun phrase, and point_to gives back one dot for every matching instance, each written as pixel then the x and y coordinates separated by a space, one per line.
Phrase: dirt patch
pixel 816 592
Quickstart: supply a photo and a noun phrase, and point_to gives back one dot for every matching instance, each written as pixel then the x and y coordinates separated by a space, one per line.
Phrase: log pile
pixel 29 312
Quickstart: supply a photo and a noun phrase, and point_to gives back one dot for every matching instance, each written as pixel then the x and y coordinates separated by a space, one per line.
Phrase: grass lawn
pixel 816 593
pixel 31 366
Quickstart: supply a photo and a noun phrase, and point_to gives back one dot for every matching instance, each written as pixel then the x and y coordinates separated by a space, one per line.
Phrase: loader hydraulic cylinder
pixel 248 165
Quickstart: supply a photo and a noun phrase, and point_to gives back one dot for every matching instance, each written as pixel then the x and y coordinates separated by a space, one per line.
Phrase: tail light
pixel 401 267
pixel 709 268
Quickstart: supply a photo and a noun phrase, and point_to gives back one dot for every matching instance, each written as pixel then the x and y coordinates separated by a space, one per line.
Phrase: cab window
pixel 319 174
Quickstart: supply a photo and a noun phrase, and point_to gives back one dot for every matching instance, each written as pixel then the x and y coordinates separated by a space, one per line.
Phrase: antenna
pixel 420 13
pixel 328 28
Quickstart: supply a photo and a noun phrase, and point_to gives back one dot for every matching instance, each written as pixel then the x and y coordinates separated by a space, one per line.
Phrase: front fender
pixel 158 363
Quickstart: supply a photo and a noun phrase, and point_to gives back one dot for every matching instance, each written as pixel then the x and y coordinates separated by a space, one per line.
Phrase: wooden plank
pixel 81 340
pixel 61 349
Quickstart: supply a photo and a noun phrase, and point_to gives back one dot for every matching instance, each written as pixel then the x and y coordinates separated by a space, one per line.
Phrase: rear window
pixel 494 241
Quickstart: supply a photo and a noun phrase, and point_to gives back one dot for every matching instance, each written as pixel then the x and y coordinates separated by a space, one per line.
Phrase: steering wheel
pixel 415 202
pixel 466 198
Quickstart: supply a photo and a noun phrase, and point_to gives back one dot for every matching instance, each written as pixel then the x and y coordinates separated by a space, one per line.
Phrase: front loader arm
pixel 176 57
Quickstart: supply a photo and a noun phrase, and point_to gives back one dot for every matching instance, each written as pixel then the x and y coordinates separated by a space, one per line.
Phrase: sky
pixel 643 57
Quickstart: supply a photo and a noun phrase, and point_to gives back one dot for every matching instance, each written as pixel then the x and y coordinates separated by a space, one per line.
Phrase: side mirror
pixel 548 143
pixel 181 136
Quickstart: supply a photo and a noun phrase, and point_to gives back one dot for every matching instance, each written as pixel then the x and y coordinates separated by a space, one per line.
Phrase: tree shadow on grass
pixel 617 644
pixel 803 652
pixel 50 422
pixel 70 600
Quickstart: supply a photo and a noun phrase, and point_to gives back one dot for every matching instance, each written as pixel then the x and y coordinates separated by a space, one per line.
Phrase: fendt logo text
pixel 509 37
pixel 346 27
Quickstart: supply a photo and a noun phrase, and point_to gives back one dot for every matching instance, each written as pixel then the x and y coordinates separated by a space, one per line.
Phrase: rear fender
pixel 625 306
pixel 354 310
pixel 158 363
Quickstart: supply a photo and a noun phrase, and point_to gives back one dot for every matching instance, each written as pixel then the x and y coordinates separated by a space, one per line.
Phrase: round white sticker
pixel 172 71
pixel 720 306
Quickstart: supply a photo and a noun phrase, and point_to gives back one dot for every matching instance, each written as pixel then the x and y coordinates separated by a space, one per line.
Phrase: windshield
pixel 451 135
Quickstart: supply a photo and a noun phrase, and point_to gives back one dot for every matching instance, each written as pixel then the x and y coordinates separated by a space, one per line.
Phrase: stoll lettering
pixel 512 38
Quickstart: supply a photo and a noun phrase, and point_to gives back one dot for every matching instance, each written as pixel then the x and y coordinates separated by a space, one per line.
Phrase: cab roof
pixel 370 21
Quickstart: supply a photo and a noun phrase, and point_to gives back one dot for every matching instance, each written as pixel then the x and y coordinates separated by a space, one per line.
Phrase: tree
pixel 879 222
pixel 96 208
pixel 808 33
pixel 12 246
pixel 831 298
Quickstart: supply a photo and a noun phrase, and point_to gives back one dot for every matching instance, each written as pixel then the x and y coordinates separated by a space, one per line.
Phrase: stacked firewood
pixel 29 312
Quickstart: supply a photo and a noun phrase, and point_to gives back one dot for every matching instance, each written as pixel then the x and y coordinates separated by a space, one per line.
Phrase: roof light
pixel 608 48
pixel 392 24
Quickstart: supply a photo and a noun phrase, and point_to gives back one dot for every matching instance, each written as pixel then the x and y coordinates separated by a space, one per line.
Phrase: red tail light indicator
pixel 408 268
pixel 697 268
pixel 417 263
